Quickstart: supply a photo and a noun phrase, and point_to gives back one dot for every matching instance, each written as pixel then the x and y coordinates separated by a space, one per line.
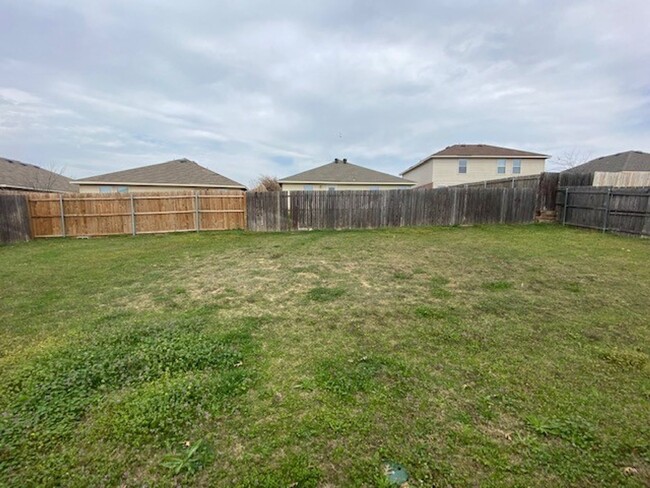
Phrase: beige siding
pixel 341 186
pixel 422 175
pixel 445 171
pixel 145 189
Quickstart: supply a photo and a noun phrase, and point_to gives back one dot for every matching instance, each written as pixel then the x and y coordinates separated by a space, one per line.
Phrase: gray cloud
pixel 276 87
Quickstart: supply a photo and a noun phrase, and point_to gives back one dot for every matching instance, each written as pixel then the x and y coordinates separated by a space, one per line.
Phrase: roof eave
pixel 341 182
pixel 132 183
pixel 31 188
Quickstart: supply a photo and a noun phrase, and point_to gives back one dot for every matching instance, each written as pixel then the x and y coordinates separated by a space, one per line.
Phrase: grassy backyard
pixel 491 356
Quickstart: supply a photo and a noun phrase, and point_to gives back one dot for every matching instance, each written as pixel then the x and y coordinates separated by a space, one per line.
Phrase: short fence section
pixel 625 210
pixel 281 211
pixel 114 214
pixel 14 218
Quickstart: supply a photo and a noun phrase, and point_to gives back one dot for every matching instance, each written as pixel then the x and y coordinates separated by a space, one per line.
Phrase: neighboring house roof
pixel 340 171
pixel 477 151
pixel 625 161
pixel 179 172
pixel 16 175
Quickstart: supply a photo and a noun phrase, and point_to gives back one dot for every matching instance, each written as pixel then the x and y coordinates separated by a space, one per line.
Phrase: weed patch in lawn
pixel 438 287
pixel 401 275
pixel 347 377
pixel 427 312
pixel 576 431
pixel 624 357
pixel 325 294
pixel 497 285
pixel 168 408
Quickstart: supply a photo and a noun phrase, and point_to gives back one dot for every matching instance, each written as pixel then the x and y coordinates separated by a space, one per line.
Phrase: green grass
pixel 490 355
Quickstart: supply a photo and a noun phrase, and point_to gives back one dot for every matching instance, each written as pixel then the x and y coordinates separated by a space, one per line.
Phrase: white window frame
pixel 501 166
pixel 462 166
pixel 308 187
pixel 516 166
pixel 105 189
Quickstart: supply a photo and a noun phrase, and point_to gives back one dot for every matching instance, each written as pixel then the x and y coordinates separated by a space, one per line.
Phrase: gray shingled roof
pixel 177 172
pixel 16 175
pixel 340 171
pixel 477 150
pixel 625 161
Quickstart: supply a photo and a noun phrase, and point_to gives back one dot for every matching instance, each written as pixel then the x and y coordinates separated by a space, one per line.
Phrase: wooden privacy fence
pixel 625 210
pixel 14 218
pixel 113 214
pixel 282 211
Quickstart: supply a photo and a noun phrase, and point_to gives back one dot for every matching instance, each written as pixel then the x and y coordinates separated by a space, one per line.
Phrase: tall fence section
pixel 14 218
pixel 282 211
pixel 625 210
pixel 113 214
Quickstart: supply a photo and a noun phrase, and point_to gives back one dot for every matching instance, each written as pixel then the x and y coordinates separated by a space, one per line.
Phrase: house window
pixel 374 188
pixel 123 189
pixel 105 189
pixel 462 165
pixel 501 166
pixel 516 166
pixel 331 188
pixel 308 187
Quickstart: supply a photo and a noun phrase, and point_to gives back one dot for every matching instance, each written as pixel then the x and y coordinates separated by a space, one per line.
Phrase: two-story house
pixel 468 163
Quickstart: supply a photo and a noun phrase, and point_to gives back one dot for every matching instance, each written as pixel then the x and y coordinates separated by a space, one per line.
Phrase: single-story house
pixel 176 175
pixel 342 175
pixel 624 161
pixel 626 169
pixel 469 163
pixel 19 176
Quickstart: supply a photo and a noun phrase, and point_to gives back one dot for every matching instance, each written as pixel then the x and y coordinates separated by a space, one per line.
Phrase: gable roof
pixel 625 161
pixel 340 171
pixel 179 172
pixel 16 175
pixel 477 151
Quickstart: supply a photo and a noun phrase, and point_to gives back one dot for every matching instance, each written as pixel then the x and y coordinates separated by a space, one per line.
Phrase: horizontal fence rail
pixel 115 214
pixel 282 211
pixel 624 210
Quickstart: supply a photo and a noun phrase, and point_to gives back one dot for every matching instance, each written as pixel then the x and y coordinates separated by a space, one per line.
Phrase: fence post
pixel 454 206
pixel 133 231
pixel 512 182
pixel 197 218
pixel 504 203
pixel 646 225
pixel 566 201
pixel 606 217
pixel 62 215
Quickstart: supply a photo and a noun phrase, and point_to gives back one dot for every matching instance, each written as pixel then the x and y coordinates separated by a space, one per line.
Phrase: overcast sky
pixel 277 87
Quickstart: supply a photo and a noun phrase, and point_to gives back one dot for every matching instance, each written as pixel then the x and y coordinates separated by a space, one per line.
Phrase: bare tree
pixel 266 183
pixel 46 179
pixel 571 158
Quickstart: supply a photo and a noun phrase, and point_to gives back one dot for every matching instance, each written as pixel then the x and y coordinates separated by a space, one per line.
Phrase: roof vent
pixel 345 161
pixel 336 161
